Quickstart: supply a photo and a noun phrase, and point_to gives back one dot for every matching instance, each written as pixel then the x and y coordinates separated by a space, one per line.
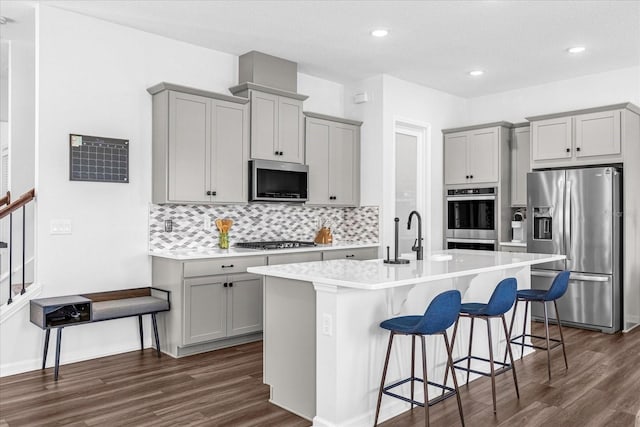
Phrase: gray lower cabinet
pixel 214 303
pixel 333 156
pixel 200 147
pixel 357 254
pixel 221 306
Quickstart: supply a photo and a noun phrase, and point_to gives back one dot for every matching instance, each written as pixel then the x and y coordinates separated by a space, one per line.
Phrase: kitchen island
pixel 323 348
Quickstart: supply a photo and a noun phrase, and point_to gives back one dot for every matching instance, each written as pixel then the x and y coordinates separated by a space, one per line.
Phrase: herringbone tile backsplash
pixel 258 222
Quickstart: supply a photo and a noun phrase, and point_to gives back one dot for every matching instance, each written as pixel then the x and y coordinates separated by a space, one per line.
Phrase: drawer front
pixel 359 254
pixel 292 258
pixel 211 267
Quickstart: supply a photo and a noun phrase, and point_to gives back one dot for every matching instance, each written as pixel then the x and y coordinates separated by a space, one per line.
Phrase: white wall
pixel 93 77
pixel 593 90
pixel 325 97
pixel 390 99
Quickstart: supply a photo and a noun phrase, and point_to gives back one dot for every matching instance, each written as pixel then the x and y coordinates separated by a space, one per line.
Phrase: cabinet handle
pixel 231 284
pixel 211 193
pixel 227 266
pixel 276 153
pixel 568 150
pixel 577 148
pixel 350 256
pixel 281 153
pixel 467 177
pixel 471 176
pixel 224 284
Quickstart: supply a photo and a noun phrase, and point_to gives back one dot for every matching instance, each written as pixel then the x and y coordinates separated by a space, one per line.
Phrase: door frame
pixel 422 132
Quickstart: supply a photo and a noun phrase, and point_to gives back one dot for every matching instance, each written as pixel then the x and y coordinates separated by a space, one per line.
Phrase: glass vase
pixel 223 240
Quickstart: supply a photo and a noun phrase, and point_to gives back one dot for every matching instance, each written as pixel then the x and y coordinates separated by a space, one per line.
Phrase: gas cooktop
pixel 276 244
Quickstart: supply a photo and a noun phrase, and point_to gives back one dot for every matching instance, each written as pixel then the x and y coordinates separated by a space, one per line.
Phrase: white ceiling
pixel 432 43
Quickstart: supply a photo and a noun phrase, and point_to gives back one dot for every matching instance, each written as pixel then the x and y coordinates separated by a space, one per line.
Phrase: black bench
pixel 61 312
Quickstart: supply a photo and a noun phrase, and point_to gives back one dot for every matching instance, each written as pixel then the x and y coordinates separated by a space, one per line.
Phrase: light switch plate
pixel 60 226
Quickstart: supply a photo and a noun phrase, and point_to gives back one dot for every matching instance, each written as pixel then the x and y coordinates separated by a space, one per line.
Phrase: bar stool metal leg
pixel 425 382
pixel 413 365
pixel 546 335
pixel 469 354
pixel 566 364
pixel 493 373
pixel 384 376
pixel 453 374
pixel 524 327
pixel 515 377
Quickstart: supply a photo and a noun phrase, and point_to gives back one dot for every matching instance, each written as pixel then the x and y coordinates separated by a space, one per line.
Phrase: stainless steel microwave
pixel 278 181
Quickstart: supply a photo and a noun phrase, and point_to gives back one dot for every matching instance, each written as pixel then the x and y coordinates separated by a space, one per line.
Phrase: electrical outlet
pixel 327 324
pixel 206 220
pixel 168 225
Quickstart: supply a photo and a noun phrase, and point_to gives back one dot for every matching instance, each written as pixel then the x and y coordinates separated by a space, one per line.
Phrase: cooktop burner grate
pixel 277 244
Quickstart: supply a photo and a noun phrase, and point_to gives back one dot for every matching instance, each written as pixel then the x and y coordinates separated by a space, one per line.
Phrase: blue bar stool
pixel 556 291
pixel 501 301
pixel 440 315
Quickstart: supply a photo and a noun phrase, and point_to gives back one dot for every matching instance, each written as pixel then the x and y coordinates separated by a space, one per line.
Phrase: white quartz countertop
pixel 203 253
pixel 374 274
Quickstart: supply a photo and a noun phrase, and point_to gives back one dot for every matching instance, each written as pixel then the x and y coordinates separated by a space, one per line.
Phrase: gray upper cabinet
pixel 333 157
pixel 472 156
pixel 520 142
pixel 576 138
pixel 200 146
pixel 276 128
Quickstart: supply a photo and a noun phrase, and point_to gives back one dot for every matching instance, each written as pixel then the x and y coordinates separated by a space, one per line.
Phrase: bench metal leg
pixel 58 343
pixel 46 347
pixel 155 332
pixel 141 332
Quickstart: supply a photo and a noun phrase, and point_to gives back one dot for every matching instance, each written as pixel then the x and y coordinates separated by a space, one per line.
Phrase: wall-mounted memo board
pixel 94 158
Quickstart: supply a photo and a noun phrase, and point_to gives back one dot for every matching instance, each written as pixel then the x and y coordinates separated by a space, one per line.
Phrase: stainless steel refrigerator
pixel 577 212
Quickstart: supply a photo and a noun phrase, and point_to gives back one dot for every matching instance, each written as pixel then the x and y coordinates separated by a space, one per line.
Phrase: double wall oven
pixel 471 219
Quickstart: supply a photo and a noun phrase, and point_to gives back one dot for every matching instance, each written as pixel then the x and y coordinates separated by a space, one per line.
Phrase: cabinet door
pixel 551 139
pixel 482 155
pixel 189 134
pixel 317 158
pixel 290 130
pixel 520 165
pixel 455 158
pixel 598 134
pixel 205 310
pixel 342 164
pixel 244 309
pixel 264 126
pixel 229 157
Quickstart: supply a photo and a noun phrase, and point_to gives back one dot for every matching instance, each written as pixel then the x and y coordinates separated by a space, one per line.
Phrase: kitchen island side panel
pixel 290 344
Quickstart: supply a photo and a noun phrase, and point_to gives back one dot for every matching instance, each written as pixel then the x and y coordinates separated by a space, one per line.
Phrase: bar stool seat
pixel 557 289
pixel 440 315
pixel 501 301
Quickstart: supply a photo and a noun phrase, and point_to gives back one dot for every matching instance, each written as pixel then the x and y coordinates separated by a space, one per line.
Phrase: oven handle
pixel 472 241
pixel 464 198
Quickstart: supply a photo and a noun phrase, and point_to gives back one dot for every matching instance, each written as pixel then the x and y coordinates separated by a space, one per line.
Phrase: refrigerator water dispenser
pixel 542 223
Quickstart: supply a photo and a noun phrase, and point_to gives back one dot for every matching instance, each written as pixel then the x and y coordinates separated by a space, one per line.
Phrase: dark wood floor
pixel 224 388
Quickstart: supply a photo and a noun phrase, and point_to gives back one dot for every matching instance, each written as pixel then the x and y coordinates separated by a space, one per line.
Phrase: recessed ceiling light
pixel 576 49
pixel 476 73
pixel 380 32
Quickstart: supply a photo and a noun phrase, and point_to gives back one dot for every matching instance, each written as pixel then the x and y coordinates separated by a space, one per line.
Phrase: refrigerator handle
pixel 567 220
